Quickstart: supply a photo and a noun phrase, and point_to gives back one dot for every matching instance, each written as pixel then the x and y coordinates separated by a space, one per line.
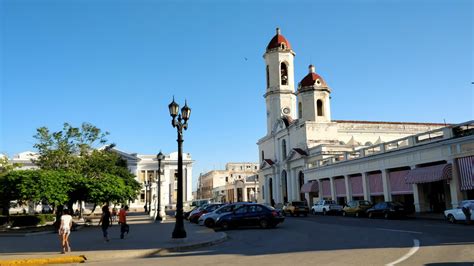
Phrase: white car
pixel 325 207
pixel 456 214
pixel 209 219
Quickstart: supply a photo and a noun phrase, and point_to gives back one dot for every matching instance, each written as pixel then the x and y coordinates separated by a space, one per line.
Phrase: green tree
pixel 8 191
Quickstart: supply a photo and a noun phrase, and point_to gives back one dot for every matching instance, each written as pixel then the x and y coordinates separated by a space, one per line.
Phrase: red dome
pixel 277 40
pixel 312 78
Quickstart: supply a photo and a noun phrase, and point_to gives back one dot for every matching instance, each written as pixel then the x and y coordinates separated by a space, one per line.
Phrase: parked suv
pixel 356 208
pixel 295 208
pixel 325 207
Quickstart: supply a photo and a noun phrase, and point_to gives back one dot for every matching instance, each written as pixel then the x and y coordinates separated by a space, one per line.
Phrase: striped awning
pixel 311 186
pixel 466 172
pixel 429 174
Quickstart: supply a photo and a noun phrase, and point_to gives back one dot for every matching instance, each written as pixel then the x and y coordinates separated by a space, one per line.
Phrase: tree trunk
pixel 93 209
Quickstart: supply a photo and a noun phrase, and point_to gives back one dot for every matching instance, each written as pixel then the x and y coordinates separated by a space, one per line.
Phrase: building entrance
pixel 435 196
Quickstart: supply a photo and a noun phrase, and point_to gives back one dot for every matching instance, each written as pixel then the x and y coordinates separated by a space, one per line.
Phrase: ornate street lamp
pixel 147 184
pixel 159 157
pixel 180 122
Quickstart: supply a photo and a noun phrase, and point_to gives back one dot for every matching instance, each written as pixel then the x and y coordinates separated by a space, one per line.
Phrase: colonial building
pixel 238 182
pixel 145 168
pixel 300 130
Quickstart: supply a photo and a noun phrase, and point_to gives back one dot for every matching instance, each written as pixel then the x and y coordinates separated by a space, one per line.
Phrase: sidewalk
pixel 145 239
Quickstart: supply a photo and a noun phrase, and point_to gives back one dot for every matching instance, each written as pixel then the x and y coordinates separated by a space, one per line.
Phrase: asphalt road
pixel 334 240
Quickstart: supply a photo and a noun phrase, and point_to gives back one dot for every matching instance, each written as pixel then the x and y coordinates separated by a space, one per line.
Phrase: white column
pixel 235 198
pixel 277 191
pixel 296 187
pixel 365 186
pixel 146 190
pixel 348 189
pixel 244 193
pixel 416 198
pixel 454 186
pixel 333 188
pixel 386 186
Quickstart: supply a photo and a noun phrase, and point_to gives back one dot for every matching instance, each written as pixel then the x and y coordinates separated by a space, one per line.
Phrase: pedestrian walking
pixel 467 208
pixel 123 221
pixel 65 231
pixel 146 208
pixel 106 221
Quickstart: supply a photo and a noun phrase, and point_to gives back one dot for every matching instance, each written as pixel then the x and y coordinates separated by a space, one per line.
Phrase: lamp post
pixel 147 195
pixel 180 122
pixel 159 157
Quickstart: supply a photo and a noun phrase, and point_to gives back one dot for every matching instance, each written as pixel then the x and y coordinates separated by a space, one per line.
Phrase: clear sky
pixel 117 64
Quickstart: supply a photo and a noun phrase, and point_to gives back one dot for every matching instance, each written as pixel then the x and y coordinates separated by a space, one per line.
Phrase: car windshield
pixel 299 203
pixel 398 204
pixel 364 203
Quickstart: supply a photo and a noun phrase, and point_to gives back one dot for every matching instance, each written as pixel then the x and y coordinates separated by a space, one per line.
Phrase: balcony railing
pixel 456 131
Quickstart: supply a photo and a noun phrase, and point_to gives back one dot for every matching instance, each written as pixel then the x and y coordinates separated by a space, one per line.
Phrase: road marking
pixel 401 231
pixel 413 250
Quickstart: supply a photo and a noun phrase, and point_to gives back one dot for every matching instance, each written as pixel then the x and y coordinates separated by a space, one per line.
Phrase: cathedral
pixel 300 130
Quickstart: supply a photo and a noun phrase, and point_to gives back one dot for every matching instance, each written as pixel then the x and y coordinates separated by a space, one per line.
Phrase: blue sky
pixel 117 64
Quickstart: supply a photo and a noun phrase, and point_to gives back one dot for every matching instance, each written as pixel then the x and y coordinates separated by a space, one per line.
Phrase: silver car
pixel 209 219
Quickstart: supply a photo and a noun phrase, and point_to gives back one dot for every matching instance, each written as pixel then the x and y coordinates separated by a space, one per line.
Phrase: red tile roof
pixel 277 41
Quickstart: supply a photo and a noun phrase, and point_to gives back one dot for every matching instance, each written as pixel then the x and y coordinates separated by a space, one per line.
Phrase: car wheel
pixel 225 225
pixel 263 223
pixel 451 219
pixel 357 214
pixel 209 223
pixel 370 215
pixel 386 215
pixel 344 213
pixel 324 212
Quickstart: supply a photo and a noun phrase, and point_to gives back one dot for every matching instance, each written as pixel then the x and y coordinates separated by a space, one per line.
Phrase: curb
pixel 55 260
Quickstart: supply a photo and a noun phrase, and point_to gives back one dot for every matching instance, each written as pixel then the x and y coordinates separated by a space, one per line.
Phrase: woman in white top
pixel 65 230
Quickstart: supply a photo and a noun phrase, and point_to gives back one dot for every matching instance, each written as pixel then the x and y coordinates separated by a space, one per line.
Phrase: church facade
pixel 300 130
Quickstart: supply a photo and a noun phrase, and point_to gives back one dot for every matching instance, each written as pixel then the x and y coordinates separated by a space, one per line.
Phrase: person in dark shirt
pixel 106 221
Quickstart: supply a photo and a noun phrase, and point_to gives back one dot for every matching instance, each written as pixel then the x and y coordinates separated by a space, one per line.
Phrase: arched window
pixel 300 110
pixel 268 77
pixel 283 149
pixel 284 74
pixel 319 104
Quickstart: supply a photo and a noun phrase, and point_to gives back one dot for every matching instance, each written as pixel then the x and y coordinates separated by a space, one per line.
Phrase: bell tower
pixel 314 98
pixel 280 95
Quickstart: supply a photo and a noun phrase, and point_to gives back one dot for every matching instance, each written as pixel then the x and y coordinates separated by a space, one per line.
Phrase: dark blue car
pixel 251 215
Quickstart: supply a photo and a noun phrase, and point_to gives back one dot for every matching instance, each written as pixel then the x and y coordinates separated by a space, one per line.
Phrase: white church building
pixel 300 130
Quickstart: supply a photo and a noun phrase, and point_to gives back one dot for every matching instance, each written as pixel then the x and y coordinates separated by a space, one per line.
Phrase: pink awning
pixel 326 187
pixel 466 172
pixel 311 186
pixel 398 186
pixel 429 174
pixel 375 184
pixel 340 187
pixel 356 186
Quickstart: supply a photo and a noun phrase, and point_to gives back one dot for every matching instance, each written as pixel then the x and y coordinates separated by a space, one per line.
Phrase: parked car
pixel 187 213
pixel 387 209
pixel 456 214
pixel 356 208
pixel 194 217
pixel 325 207
pixel 209 219
pixel 252 214
pixel 296 208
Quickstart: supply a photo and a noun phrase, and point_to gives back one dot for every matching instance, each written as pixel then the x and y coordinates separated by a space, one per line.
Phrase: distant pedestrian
pixel 65 231
pixel 272 202
pixel 146 208
pixel 467 208
pixel 123 221
pixel 114 214
pixel 106 221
